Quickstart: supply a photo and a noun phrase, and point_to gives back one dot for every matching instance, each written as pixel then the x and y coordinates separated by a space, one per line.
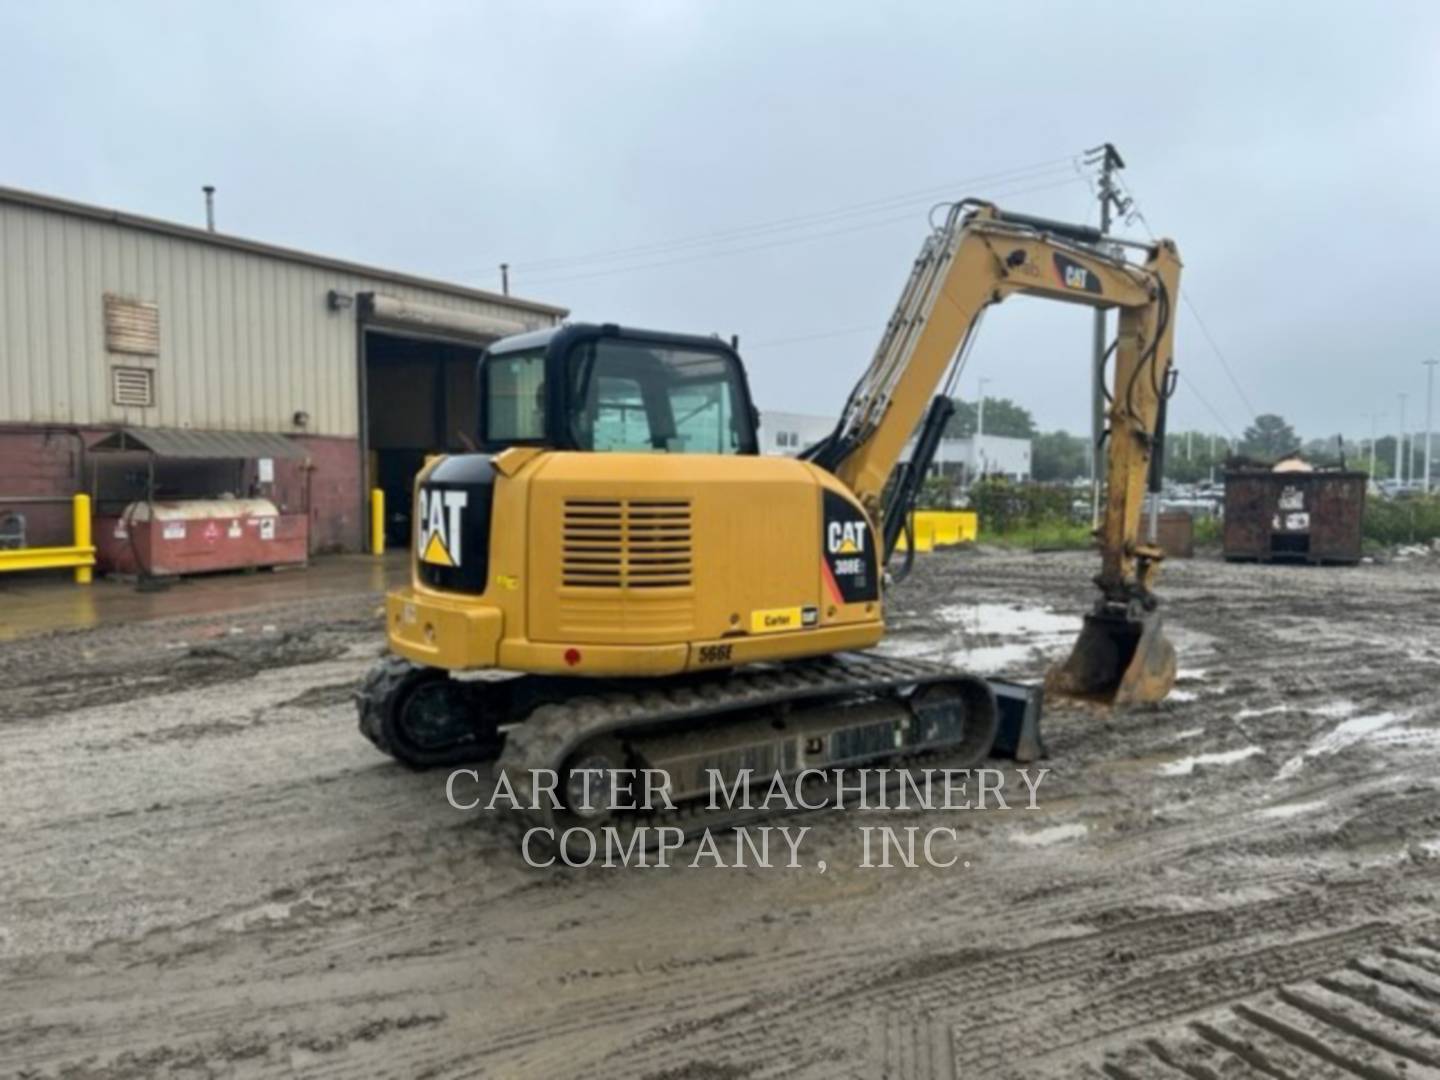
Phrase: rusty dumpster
pixel 1311 516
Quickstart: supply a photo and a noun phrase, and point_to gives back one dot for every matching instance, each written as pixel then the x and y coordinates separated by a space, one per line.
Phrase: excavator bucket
pixel 1119 660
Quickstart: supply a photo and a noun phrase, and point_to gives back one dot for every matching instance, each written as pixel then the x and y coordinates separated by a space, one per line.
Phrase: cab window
pixel 515 396
pixel 653 398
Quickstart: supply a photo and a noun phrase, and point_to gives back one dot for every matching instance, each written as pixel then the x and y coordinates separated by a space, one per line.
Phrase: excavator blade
pixel 1118 660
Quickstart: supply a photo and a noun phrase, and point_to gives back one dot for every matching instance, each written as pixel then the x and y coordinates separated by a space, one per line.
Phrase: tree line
pixel 1190 456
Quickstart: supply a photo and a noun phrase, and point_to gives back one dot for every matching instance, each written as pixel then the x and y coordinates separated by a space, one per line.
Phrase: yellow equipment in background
pixel 620 547
pixel 942 528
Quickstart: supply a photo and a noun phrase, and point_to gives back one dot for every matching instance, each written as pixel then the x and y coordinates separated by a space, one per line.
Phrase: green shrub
pixel 1004 506
pixel 1414 519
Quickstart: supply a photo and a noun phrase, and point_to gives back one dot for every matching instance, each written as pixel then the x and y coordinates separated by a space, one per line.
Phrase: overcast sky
pixel 1291 150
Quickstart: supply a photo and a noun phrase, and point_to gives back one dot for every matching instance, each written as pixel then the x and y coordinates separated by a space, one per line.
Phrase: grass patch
pixel 1042 536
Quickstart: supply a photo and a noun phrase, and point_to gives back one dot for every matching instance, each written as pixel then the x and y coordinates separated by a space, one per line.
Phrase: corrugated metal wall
pixel 246 339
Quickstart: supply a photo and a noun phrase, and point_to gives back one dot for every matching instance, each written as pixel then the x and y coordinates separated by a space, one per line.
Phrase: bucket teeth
pixel 1117 660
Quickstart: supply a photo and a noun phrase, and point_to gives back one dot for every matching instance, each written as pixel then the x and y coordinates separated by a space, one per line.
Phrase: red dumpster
pixel 197 536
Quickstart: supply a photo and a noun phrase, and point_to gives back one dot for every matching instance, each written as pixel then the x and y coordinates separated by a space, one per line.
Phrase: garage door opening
pixel 419 400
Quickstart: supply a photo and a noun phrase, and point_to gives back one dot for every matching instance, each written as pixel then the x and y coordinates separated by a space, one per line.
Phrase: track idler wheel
pixel 1120 659
pixel 423 718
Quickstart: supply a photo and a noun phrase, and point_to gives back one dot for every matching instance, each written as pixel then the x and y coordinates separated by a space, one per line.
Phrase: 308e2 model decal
pixel 849 564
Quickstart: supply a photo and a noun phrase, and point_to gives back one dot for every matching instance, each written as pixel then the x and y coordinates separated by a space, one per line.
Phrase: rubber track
pixel 552 733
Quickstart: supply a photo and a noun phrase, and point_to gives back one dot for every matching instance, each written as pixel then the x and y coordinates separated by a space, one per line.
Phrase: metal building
pixel 786 433
pixel 113 321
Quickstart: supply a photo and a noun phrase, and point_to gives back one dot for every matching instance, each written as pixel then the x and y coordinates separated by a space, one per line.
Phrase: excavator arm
pixel 979 257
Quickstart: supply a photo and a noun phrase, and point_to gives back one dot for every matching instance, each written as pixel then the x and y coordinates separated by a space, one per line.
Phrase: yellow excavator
pixel 617 579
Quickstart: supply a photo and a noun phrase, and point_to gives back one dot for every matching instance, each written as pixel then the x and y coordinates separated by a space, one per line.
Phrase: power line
pixel 1223 362
pixel 704 255
pixel 908 216
pixel 1208 407
pixel 870 327
pixel 1136 214
pixel 869 206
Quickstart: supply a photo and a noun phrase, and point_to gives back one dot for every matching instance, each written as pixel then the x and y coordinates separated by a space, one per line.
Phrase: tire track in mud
pixel 408 944
pixel 1005 994
pixel 1377 1017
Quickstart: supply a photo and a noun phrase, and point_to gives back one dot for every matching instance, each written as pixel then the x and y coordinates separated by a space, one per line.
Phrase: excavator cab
pixel 603 389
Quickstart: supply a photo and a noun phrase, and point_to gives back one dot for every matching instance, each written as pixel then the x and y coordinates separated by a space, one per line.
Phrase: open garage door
pixel 419 384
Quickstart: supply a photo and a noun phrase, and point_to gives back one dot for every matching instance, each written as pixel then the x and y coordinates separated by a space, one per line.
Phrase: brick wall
pixel 42 461
pixel 337 521
pixel 39 461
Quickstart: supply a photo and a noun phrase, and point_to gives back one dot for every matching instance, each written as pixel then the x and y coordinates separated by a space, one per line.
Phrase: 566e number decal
pixel 715 654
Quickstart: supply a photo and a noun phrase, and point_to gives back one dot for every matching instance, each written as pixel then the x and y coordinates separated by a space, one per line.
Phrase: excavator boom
pixel 979 257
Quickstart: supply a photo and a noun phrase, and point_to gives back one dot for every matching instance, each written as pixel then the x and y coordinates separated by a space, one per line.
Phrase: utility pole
pixel 1429 401
pixel 1400 444
pixel 975 453
pixel 504 279
pixel 1212 457
pixel 1109 160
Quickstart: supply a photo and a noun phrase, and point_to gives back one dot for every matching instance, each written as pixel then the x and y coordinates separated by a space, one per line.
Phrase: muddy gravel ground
pixel 204 870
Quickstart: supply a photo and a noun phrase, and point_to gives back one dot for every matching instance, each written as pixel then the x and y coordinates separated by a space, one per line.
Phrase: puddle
pixel 1003 620
pixel 989 659
pixel 1293 810
pixel 908 647
pixel 1192 674
pixel 1185 766
pixel 1269 710
pixel 992 638
pixel 1183 696
pixel 1191 733
pixel 1355 730
pixel 1054 834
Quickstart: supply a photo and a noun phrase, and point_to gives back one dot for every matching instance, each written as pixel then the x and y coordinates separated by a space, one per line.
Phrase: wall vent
pixel 132 326
pixel 132 387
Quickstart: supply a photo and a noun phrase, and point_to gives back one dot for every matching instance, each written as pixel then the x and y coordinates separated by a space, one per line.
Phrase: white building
pixel 786 434
pixel 990 455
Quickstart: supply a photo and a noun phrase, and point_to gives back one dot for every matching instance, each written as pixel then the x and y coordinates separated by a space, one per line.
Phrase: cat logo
pixel 845 537
pixel 440 526
pixel 1077 276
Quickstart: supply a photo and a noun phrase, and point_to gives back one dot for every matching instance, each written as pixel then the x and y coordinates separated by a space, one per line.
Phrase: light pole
pixel 975 454
pixel 1400 444
pixel 1429 401
pixel 1375 418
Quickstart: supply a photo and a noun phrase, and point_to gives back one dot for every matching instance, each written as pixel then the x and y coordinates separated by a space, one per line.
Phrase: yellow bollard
pixel 377 522
pixel 83 574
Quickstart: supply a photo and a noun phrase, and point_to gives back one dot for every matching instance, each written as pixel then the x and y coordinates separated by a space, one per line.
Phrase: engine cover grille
pixel 626 544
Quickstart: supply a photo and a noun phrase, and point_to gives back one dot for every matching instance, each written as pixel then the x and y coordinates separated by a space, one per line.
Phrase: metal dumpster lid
pixel 184 443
